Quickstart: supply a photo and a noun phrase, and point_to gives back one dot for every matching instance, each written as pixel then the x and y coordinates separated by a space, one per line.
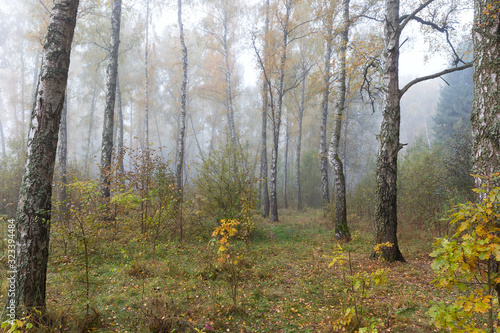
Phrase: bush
pixel 226 185
pixel 468 261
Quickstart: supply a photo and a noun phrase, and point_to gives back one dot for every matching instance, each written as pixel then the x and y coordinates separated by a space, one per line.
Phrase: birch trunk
pixel 230 104
pixel 340 217
pixel 299 139
pixel 386 219
pixel 485 118
pixel 146 92
pixel 109 111
pixel 182 120
pixel 265 107
pixel 34 207
pixel 285 171
pixel 277 117
pixel 324 118
pixel 119 143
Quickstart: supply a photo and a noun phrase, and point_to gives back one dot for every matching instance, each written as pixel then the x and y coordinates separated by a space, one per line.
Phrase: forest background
pixel 153 235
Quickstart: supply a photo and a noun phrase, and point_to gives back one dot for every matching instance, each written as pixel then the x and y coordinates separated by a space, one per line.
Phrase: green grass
pixel 287 285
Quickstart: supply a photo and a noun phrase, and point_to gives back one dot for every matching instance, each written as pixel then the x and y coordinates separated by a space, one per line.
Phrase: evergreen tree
pixel 454 106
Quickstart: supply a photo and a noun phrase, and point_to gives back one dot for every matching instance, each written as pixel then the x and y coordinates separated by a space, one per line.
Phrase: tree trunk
pixel 229 97
pixel 340 217
pixel 276 118
pixel 34 207
pixel 486 106
pixel 89 135
pixel 386 219
pixel 299 138
pixel 119 142
pixel 324 117
pixel 63 158
pixel 182 121
pixel 109 111
pixel 146 92
pixel 265 107
pixel 285 171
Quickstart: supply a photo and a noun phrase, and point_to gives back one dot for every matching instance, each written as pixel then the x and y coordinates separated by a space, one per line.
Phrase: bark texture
pixel 485 118
pixel 34 208
pixel 341 228
pixel 182 120
pixel 386 220
pixel 109 111
pixel 324 115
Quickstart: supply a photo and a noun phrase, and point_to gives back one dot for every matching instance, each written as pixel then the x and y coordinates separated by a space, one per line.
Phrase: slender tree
pixel 300 117
pixel 182 120
pixel 89 131
pixel 276 111
pixel 63 156
pixel 111 87
pixel 34 207
pixel 119 109
pixel 324 109
pixel 146 86
pixel 265 106
pixel 285 162
pixel 340 217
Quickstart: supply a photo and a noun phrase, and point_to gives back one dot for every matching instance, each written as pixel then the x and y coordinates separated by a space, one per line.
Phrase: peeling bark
pixel 34 208
pixel 485 118
pixel 340 217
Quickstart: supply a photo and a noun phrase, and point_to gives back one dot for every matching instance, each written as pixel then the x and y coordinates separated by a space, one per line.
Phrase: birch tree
pixel 34 207
pixel 340 216
pixel 386 220
pixel 265 106
pixel 109 111
pixel 182 120
pixel 485 118
pixel 328 25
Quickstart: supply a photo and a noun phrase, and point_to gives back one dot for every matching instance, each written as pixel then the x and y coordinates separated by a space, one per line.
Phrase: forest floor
pixel 285 284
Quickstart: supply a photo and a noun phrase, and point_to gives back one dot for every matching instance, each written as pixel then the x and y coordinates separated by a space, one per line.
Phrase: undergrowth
pixel 287 285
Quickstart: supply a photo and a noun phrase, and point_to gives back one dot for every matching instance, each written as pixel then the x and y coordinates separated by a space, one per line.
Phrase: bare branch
pixel 444 30
pixel 46 9
pixel 368 17
pixel 433 76
pixel 406 18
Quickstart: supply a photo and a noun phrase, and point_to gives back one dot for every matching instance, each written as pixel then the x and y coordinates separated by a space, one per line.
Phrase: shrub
pixel 468 261
pixel 226 185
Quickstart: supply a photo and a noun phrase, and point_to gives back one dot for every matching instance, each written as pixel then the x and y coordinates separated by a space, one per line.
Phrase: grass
pixel 286 284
